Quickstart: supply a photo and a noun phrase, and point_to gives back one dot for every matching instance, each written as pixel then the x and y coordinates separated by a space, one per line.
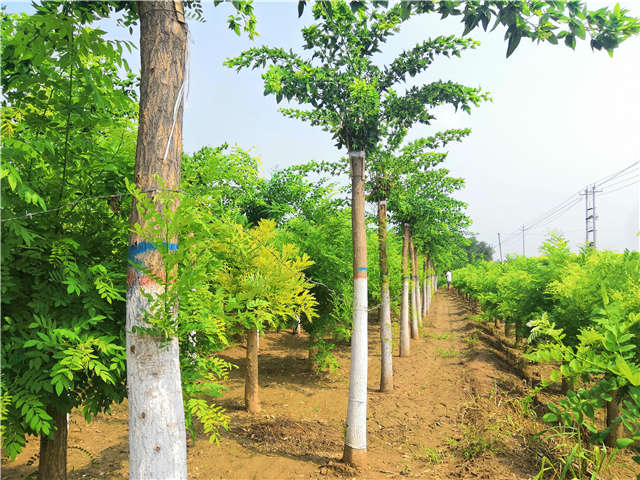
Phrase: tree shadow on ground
pixel 108 462
pixel 312 441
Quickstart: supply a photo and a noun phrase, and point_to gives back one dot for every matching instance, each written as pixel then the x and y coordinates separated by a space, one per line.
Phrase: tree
pixel 556 20
pixel 68 136
pixel 421 206
pixel 263 289
pixel 352 98
pixel 478 250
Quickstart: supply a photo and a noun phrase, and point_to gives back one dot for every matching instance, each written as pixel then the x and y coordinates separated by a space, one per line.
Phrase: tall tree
pixel 157 440
pixel 68 139
pixel 351 97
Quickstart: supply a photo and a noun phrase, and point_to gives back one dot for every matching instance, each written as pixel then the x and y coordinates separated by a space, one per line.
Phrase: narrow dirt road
pixel 454 414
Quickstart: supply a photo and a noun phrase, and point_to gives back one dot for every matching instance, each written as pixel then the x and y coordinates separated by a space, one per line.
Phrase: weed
pixel 441 336
pixel 447 353
pixel 429 455
pixel 472 341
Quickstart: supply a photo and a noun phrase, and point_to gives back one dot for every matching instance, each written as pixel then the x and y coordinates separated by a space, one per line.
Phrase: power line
pixel 608 192
pixel 635 177
pixel 608 178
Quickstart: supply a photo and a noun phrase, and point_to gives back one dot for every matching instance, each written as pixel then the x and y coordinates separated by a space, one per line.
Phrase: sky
pixel 559 120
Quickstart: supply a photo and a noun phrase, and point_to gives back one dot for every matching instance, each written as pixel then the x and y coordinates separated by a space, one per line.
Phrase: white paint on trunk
pixel 386 339
pixel 429 295
pixel 404 319
pixel 425 300
pixel 418 301
pixel 414 310
pixel 157 438
pixel 357 408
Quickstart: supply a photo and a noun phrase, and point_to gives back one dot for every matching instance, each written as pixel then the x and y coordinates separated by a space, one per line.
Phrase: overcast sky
pixel 559 120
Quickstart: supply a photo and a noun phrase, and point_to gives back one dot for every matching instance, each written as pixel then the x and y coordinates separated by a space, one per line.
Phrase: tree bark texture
pixel 53 450
pixel 251 386
pixel 613 421
pixel 157 438
pixel 386 343
pixel 405 329
pixel 415 331
pixel 355 448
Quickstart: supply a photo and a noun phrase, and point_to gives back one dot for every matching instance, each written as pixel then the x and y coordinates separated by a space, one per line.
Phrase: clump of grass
pixel 441 336
pixel 472 341
pixel 450 353
pixel 429 455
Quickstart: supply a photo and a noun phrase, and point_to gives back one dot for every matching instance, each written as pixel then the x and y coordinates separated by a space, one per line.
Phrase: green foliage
pixel 581 311
pixel 226 277
pixel 350 96
pixel 68 143
pixel 540 20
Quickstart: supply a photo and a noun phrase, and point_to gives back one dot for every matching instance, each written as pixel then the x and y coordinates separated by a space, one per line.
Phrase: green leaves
pixel 348 94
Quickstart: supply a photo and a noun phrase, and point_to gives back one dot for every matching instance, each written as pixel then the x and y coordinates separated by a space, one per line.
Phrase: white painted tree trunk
pixel 386 342
pixel 425 298
pixel 405 329
pixel 157 436
pixel 356 435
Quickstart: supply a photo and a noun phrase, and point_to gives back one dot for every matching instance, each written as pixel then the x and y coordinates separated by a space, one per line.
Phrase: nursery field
pixel 457 414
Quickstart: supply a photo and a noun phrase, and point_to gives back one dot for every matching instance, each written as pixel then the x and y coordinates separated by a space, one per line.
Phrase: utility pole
pixel 500 246
pixel 523 228
pixel 593 202
pixel 157 439
pixel 590 215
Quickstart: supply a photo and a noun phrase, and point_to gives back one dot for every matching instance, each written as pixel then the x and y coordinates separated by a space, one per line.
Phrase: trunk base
pixel 355 457
pixel 53 451
pixel 386 386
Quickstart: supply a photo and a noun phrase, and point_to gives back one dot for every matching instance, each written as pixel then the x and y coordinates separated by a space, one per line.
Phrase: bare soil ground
pixel 455 413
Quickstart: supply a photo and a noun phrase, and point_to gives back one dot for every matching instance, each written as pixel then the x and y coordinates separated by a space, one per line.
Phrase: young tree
pixel 390 165
pixel 351 97
pixel 263 289
pixel 68 138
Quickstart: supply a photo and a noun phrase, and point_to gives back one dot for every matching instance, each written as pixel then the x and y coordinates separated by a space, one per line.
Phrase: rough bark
pixel 415 330
pixel 405 330
pixel 251 386
pixel 386 345
pixel 355 448
pixel 157 439
pixel 53 450
pixel 613 421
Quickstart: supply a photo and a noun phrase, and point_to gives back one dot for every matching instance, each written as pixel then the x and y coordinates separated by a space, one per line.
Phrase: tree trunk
pixel 425 297
pixel 386 344
pixel 53 450
pixel 251 386
pixel 416 279
pixel 613 421
pixel 415 331
pixel 297 327
pixel 355 449
pixel 157 438
pixel 405 344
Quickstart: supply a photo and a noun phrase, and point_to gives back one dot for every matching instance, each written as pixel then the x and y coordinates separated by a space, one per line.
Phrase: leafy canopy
pixel 349 95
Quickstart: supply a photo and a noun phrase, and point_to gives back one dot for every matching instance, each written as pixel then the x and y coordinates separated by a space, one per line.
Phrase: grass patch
pixel 450 353
pixel 440 336
pixel 429 455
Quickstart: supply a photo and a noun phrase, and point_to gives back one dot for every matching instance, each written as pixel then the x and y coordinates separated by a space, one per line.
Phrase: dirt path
pixel 454 414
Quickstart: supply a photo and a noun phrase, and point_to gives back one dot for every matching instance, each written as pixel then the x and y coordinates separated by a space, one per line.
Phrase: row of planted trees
pixel 219 251
pixel 213 250
pixel 581 314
